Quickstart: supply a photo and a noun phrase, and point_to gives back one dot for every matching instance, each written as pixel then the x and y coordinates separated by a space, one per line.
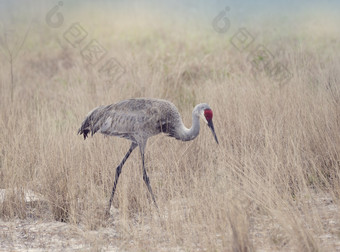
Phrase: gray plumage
pixel 133 119
pixel 139 119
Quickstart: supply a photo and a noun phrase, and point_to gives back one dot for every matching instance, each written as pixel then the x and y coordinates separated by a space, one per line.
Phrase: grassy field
pixel 273 182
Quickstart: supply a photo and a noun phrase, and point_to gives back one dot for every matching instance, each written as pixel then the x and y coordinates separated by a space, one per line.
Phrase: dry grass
pixel 271 184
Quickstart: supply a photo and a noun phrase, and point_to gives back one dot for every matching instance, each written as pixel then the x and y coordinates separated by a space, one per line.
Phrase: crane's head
pixel 206 114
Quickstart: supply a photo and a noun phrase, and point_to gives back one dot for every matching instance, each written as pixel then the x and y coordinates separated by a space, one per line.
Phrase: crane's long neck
pixel 192 133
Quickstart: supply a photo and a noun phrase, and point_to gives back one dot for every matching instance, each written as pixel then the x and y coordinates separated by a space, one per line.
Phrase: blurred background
pixel 273 182
pixel 314 14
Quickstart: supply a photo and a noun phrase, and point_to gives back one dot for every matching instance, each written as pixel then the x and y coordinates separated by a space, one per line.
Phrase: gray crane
pixel 139 119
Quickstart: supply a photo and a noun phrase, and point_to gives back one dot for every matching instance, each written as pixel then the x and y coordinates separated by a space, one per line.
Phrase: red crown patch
pixel 208 114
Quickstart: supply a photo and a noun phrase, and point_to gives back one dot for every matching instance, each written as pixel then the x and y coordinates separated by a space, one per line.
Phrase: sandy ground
pixel 35 234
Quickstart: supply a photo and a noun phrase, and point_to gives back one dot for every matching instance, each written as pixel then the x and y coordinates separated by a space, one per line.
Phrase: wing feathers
pixel 128 118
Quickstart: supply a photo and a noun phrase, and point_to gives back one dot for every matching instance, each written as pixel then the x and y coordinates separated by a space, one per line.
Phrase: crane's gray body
pixel 139 119
pixel 134 119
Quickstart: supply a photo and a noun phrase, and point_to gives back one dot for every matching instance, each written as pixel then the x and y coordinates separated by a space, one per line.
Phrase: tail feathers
pixel 86 128
pixel 84 132
pixel 92 122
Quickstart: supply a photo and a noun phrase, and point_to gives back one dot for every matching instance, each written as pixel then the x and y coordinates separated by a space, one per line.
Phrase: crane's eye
pixel 208 114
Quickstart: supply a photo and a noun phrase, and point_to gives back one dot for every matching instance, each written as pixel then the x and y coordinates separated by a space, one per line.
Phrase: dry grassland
pixel 272 184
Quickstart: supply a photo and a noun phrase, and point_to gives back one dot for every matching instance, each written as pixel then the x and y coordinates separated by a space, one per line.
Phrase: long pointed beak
pixel 211 126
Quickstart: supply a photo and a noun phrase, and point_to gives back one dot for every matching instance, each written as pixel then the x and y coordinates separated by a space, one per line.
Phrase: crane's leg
pixel 118 171
pixel 147 181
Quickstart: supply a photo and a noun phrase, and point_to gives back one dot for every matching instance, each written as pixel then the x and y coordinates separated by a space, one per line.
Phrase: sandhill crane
pixel 139 119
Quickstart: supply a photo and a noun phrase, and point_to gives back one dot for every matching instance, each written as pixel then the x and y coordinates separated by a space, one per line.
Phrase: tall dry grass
pixel 265 186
